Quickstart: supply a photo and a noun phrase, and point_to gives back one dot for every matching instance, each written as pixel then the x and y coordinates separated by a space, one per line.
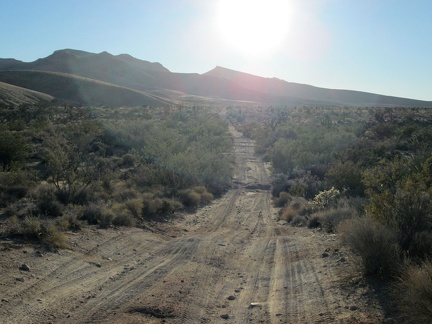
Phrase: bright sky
pixel 379 46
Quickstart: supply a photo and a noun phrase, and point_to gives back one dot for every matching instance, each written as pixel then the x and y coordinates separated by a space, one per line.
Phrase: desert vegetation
pixel 63 166
pixel 364 173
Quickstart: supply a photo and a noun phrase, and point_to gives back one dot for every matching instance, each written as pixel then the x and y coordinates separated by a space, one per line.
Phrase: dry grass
pixel 55 238
pixel 413 293
pixel 374 243
pixel 296 207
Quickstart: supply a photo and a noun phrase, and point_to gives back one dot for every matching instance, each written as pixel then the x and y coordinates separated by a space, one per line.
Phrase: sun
pixel 253 28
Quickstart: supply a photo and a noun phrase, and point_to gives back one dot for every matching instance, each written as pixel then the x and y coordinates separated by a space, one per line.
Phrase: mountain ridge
pixel 147 78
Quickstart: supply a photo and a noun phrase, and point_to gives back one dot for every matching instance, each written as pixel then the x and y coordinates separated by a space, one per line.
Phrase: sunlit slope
pixel 11 95
pixel 75 89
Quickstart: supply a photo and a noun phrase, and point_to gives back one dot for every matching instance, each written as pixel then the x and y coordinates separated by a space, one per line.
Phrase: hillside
pixel 218 84
pixel 11 95
pixel 79 90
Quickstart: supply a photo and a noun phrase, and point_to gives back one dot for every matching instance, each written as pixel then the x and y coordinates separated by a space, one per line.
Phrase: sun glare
pixel 253 28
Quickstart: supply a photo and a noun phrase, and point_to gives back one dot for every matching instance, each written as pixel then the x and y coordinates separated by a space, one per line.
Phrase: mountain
pixel 277 87
pixel 89 78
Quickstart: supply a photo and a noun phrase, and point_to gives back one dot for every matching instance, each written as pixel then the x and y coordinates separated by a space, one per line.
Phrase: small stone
pixel 325 255
pixel 4 300
pixel 231 297
pixel 24 267
pixel 237 290
pixel 20 279
pixel 353 308
pixel 224 316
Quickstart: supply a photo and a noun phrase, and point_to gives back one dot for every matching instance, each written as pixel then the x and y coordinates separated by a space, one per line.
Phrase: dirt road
pixel 228 262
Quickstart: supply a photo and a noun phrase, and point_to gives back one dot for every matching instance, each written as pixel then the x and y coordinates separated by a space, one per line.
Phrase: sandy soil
pixel 231 261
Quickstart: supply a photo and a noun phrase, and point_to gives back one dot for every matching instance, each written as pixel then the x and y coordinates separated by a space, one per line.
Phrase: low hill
pixel 11 95
pixel 79 90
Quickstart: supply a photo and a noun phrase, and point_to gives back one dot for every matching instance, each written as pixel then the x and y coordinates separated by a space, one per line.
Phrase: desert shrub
pixel 129 160
pixel 421 246
pixel 42 191
pixel 375 243
pixel 298 220
pixel 415 302
pixel 408 212
pixel 123 194
pixel 92 214
pixel 20 208
pixel 282 199
pixel 326 199
pixel 15 185
pixel 105 219
pixel 31 227
pixel 206 197
pixel 346 175
pixel 280 185
pixel 296 207
pixel 13 150
pixel 314 222
pixel 151 205
pixel 134 207
pixel 330 218
pixel 216 188
pixel 199 189
pixel 83 196
pixel 189 197
pixel 287 213
pixel 123 220
pixel 53 237
pixel 173 205
pixel 50 207
pixel 70 219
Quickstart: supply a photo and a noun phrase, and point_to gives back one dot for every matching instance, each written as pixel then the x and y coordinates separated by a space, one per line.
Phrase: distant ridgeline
pixel 79 77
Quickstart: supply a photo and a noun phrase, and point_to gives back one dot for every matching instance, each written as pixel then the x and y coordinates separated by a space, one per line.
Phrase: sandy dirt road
pixel 230 262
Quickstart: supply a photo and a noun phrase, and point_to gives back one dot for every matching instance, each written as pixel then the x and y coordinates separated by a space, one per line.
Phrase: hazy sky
pixel 380 46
